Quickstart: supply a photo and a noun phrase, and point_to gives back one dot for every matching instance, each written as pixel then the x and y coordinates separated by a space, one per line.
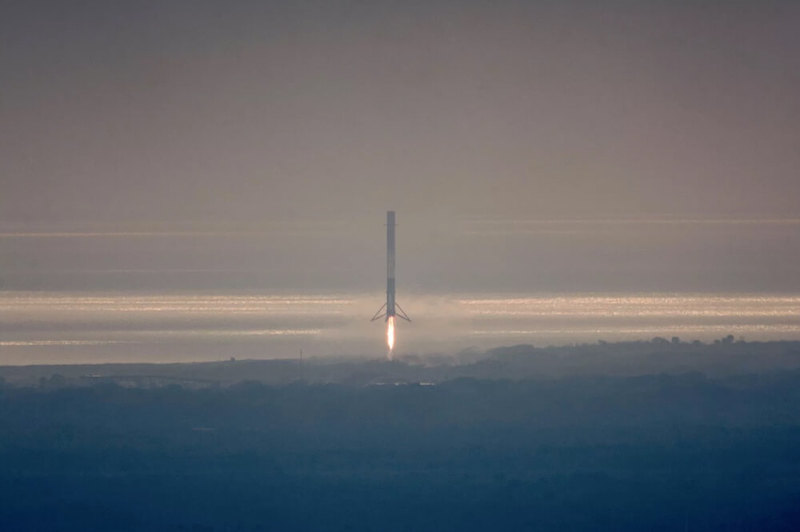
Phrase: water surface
pixel 73 327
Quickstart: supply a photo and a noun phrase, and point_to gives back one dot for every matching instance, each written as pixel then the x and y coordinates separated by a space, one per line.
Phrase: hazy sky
pixel 251 110
pixel 295 125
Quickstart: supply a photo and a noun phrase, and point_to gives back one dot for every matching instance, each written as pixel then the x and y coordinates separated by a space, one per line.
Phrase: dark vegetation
pixel 724 357
pixel 567 450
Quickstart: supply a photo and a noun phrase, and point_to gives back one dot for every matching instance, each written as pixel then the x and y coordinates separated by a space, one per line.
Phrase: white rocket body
pixel 390 308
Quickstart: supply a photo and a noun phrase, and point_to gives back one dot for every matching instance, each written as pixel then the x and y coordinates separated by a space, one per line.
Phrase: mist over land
pixel 655 435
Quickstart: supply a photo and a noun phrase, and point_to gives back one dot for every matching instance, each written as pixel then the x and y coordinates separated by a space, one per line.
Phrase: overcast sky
pixel 253 110
pixel 255 144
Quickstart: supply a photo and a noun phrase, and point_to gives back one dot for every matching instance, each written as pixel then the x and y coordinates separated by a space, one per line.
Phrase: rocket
pixel 390 309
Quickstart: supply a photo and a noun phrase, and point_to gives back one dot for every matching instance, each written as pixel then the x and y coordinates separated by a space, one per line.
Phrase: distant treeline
pixel 724 357
pixel 649 452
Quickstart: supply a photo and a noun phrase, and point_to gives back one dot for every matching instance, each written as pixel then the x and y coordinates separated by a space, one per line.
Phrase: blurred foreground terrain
pixel 654 435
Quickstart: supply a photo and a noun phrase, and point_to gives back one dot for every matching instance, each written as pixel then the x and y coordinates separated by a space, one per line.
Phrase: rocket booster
pixel 390 308
pixel 390 304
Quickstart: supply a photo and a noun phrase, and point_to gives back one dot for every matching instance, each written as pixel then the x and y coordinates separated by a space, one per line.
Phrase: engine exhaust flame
pixel 390 334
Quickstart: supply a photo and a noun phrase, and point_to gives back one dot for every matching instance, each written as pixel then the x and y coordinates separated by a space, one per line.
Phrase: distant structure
pixel 390 309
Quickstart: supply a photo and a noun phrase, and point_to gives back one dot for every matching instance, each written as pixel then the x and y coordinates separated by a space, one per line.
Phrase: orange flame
pixel 390 333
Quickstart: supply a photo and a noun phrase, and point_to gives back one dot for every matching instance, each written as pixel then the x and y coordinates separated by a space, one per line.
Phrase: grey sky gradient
pixel 526 146
pixel 145 111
